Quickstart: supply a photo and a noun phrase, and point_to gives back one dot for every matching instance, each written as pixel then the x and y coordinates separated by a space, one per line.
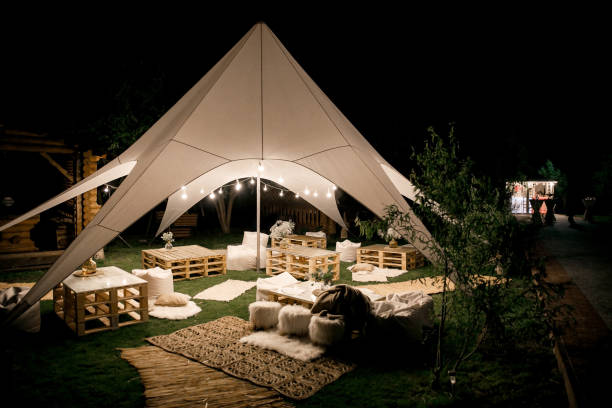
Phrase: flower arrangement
pixel 320 276
pixel 389 235
pixel 281 229
pixel 168 238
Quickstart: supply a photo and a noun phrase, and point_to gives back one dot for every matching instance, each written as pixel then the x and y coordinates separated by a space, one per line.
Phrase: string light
pixel 201 191
pixel 220 191
pixel 328 195
pixel 252 181
pixel 106 189
pixel 306 191
pixel 297 195
pixel 184 196
pixel 212 195
pixel 183 188
pixel 260 167
pixel 238 185
pixel 334 187
pixel 281 193
pixel 265 187
pixel 281 179
pixel 316 194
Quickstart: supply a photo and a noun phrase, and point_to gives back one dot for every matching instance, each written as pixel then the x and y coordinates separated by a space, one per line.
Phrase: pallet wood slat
pixel 93 304
pixel 405 257
pixel 303 240
pixel 186 262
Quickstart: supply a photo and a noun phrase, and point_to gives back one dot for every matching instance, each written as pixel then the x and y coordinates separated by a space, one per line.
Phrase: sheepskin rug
pixel 264 314
pixel 294 319
pixel 296 347
pixel 325 331
pixel 175 312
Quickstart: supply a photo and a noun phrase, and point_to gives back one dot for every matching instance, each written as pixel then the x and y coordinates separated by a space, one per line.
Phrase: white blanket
pixel 406 312
pixel 226 291
pixel 298 348
pixel 377 274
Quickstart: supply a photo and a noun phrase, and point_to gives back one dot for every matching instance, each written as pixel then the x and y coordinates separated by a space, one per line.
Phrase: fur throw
pixel 174 312
pixel 298 348
pixel 294 319
pixel 264 314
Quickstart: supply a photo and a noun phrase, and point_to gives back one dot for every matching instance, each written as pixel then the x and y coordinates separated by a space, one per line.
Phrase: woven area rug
pixel 216 345
pixel 226 291
pixel 171 380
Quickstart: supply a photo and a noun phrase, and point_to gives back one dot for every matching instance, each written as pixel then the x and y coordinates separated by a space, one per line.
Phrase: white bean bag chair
pixel 275 282
pixel 30 320
pixel 294 319
pixel 161 281
pixel 243 257
pixel 348 250
pixel 404 313
pixel 264 314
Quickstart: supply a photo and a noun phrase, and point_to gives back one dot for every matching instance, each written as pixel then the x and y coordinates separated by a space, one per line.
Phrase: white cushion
pixel 264 314
pixel 348 250
pixel 294 319
pixel 318 234
pixel 250 239
pixel 161 281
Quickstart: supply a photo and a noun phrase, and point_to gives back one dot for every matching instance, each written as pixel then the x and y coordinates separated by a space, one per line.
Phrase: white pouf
pixel 294 319
pixel 325 331
pixel 160 280
pixel 264 314
pixel 348 250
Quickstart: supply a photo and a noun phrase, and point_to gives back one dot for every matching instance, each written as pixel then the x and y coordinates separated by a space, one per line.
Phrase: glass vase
pixel 168 245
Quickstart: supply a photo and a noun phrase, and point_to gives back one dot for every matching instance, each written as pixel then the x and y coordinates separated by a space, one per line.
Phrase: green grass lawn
pixel 55 368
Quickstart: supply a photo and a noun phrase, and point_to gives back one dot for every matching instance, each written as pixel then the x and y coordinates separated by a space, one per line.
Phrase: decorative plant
pixel 325 277
pixel 281 229
pixel 168 237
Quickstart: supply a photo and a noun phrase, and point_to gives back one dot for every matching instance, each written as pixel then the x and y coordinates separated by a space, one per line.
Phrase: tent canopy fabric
pixel 255 106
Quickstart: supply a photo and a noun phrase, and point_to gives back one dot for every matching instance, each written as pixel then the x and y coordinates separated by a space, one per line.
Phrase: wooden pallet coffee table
pixel 303 240
pixel 186 262
pixel 404 257
pixel 111 299
pixel 301 262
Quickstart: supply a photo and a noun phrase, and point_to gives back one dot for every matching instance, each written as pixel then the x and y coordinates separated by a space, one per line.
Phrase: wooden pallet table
pixel 107 301
pixel 404 257
pixel 186 262
pixel 301 262
pixel 303 240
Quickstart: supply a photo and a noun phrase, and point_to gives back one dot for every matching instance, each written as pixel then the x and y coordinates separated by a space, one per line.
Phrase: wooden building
pixel 36 167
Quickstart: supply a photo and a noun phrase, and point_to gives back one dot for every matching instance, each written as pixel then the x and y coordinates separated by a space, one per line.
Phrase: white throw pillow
pixel 250 239
pixel 318 234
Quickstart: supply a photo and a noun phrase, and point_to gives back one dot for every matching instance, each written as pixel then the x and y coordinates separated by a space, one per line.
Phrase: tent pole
pixel 258 226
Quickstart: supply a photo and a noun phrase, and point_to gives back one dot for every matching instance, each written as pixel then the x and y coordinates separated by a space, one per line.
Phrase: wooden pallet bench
pixel 404 257
pixel 303 240
pixel 186 262
pixel 111 299
pixel 301 262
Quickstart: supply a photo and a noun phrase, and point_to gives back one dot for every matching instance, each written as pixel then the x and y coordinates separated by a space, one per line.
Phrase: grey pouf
pixel 326 330
pixel 294 319
pixel 28 321
pixel 264 314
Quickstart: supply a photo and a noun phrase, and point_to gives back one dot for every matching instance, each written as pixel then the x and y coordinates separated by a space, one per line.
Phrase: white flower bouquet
pixel 167 237
pixel 281 229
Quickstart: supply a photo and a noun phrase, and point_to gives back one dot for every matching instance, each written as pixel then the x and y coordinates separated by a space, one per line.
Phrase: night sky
pixel 520 86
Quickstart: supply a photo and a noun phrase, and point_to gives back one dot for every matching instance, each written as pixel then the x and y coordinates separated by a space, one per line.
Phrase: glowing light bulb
pixel 328 195
pixel 334 187
pixel 184 196
pixel 260 167
pixel 183 188
pixel 252 181
pixel 220 191
pixel 201 191
pixel 281 193
pixel 315 194
pixel 106 189
pixel 306 191
pixel 281 179
pixel 297 195
pixel 265 187
pixel 212 195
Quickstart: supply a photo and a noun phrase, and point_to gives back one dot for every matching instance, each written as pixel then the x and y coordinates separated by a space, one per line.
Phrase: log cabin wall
pixel 303 214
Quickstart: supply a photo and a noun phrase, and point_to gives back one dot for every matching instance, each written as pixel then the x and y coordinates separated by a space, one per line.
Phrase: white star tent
pixel 255 107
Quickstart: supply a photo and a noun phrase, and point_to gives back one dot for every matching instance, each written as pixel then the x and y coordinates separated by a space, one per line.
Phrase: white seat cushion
pixel 250 239
pixel 294 319
pixel 242 257
pixel 348 250
pixel 318 234
pixel 264 314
